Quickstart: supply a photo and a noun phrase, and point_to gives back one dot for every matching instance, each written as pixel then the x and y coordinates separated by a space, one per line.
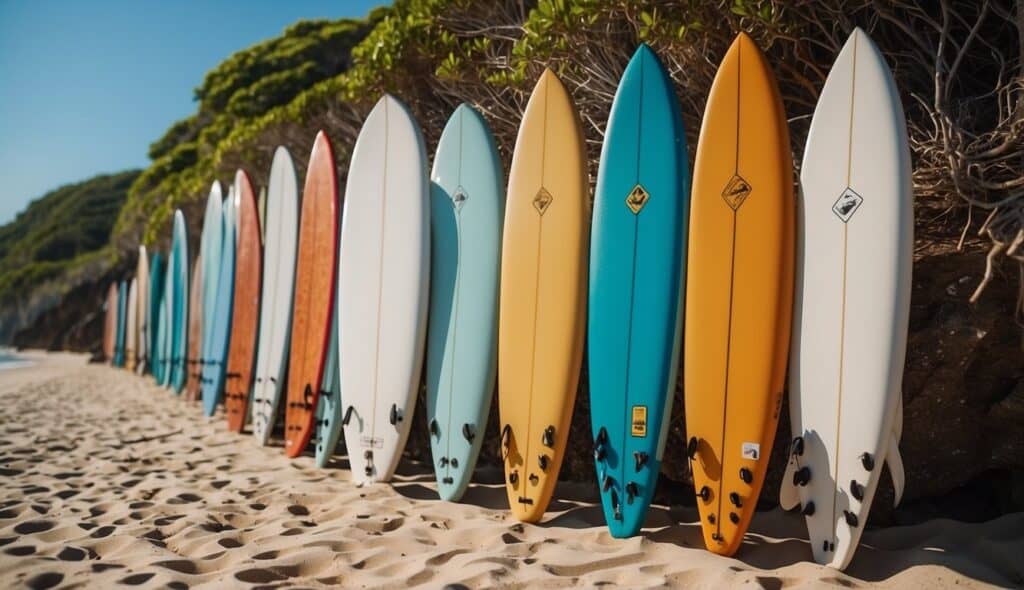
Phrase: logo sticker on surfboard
pixel 637 198
pixel 736 191
pixel 751 451
pixel 847 204
pixel 371 442
pixel 542 201
pixel 639 421
pixel 459 198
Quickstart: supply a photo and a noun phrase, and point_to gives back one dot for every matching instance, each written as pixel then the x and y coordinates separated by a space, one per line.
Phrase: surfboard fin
pixel 895 463
pixel 788 496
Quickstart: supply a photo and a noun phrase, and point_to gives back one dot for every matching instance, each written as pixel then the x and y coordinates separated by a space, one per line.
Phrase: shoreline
pixel 108 478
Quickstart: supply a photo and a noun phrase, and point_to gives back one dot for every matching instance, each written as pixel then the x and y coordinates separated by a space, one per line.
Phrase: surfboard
pixel 122 303
pixel 853 296
pixel 281 239
pixel 131 320
pixel 467 195
pixel 156 294
pixel 637 265
pixel 142 323
pixel 739 292
pixel 110 323
pixel 384 280
pixel 329 409
pixel 195 331
pixel 542 311
pixel 179 309
pixel 211 245
pixel 219 325
pixel 315 269
pixel 246 306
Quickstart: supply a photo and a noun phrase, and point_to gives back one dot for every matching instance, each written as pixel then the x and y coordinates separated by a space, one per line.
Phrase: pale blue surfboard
pixel 209 249
pixel 637 265
pixel 122 305
pixel 179 311
pixel 219 328
pixel 166 328
pixel 467 210
pixel 156 295
pixel 329 408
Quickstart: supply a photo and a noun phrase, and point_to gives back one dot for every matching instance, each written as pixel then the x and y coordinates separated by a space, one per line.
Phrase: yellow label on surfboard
pixel 639 421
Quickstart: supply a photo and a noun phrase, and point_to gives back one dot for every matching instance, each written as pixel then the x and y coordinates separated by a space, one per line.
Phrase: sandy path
pixel 108 480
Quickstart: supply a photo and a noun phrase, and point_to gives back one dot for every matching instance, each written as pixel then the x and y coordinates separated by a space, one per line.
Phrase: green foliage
pixel 57 230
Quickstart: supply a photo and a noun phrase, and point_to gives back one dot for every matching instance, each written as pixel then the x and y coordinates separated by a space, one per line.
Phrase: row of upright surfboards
pixel 327 311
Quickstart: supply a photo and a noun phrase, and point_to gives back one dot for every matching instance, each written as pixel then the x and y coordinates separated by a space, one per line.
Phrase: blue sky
pixel 86 86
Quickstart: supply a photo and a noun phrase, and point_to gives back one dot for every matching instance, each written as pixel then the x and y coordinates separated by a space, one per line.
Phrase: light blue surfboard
pixel 209 249
pixel 163 350
pixel 122 305
pixel 156 295
pixel 329 409
pixel 637 265
pixel 467 200
pixel 219 328
pixel 178 312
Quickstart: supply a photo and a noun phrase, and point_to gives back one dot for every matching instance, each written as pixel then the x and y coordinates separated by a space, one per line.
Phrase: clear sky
pixel 86 86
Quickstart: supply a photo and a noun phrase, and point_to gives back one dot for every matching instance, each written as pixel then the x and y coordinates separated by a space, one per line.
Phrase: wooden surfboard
pixel 542 312
pixel 315 279
pixel 246 307
pixel 853 292
pixel 739 290
pixel 195 329
pixel 281 239
pixel 131 328
pixel 142 338
pixel 637 265
pixel 110 323
pixel 467 206
pixel 384 282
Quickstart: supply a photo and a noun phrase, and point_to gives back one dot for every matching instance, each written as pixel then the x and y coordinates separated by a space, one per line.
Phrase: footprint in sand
pixel 45 580
pixel 33 526
pixel 136 579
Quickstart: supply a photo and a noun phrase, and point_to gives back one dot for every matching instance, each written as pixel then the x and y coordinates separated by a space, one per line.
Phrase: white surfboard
pixel 384 271
pixel 280 242
pixel 854 261
pixel 142 310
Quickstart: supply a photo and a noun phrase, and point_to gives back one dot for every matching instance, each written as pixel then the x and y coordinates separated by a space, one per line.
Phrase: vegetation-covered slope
pixel 62 230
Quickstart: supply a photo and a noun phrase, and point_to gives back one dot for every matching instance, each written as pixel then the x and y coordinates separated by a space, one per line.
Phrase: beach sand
pixel 109 480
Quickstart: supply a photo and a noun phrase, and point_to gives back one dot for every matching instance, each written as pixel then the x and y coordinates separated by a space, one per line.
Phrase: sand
pixel 109 480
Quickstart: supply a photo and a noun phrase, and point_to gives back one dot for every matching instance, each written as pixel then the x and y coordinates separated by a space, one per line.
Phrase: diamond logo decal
pixel 847 204
pixel 637 198
pixel 736 192
pixel 459 198
pixel 542 201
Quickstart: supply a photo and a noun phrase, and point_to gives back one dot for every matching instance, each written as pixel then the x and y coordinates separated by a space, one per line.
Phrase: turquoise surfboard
pixel 156 295
pixel 637 265
pixel 329 409
pixel 467 200
pixel 219 328
pixel 178 311
pixel 122 305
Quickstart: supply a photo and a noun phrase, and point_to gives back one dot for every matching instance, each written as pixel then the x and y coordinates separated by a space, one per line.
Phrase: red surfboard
pixel 245 312
pixel 315 282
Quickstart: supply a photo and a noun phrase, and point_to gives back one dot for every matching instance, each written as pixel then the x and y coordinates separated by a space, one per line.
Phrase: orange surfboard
pixel 739 292
pixel 245 312
pixel 313 304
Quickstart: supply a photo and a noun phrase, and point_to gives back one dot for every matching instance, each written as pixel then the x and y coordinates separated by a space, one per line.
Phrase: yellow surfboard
pixel 739 292
pixel 543 295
